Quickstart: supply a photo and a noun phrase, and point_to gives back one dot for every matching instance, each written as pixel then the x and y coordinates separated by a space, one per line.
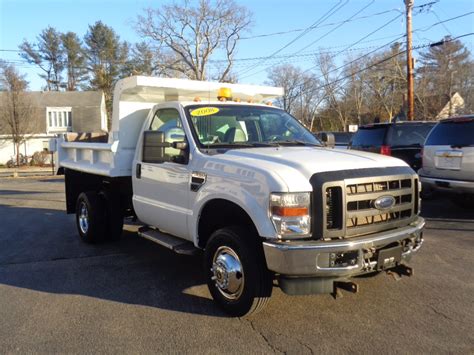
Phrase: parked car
pixel 342 139
pixel 403 140
pixel 448 160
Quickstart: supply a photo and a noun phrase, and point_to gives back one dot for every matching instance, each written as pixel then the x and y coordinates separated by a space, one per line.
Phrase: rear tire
pixel 237 276
pixel 90 217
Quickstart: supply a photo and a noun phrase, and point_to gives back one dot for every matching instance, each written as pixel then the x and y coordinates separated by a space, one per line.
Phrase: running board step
pixel 177 245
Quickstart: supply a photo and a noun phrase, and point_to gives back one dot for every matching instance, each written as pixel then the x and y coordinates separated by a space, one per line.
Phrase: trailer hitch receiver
pixel 348 286
pixel 400 270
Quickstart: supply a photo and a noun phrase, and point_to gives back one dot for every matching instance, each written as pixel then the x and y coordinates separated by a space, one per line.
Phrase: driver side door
pixel 161 190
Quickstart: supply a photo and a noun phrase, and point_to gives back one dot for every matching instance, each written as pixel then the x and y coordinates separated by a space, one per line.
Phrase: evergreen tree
pixel 106 58
pixel 443 72
pixel 48 55
pixel 74 60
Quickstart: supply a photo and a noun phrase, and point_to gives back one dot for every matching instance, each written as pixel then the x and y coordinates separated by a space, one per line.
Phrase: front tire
pixel 90 217
pixel 238 278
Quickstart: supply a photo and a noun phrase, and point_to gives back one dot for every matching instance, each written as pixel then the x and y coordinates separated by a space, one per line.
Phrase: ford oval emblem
pixel 384 202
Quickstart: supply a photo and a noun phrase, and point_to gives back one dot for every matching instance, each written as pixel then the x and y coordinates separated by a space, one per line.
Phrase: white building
pixel 56 112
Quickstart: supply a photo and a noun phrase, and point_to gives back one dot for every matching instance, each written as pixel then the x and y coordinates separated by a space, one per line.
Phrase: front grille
pixel 360 198
pixel 334 213
pixel 348 205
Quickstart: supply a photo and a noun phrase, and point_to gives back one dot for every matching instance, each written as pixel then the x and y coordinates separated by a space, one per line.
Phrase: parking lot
pixel 60 295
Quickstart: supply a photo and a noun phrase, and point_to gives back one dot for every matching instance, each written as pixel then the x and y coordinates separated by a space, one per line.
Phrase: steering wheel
pixel 275 137
pixel 215 139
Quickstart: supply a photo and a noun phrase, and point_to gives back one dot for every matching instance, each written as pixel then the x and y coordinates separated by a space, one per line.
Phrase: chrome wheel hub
pixel 83 218
pixel 227 273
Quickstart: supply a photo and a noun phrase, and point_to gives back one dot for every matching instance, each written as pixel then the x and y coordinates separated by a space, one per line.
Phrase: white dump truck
pixel 214 169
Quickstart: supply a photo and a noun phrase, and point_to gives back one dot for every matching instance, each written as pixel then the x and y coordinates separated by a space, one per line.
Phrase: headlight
pixel 290 214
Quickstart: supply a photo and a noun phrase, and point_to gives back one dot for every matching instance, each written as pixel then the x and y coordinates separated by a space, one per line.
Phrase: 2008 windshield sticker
pixel 204 111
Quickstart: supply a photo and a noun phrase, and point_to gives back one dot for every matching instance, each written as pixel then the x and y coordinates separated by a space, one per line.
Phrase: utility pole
pixel 410 85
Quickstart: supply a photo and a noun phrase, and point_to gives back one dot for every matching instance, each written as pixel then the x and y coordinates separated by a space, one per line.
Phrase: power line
pixel 367 54
pixel 420 7
pixel 429 27
pixel 25 64
pixel 321 26
pixel 335 28
pixel 432 44
pixel 323 18
pixel 378 29
pixel 441 21
pixel 321 37
pixel 423 29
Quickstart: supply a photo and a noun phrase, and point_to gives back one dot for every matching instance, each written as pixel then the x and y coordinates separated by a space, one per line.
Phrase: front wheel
pixel 238 278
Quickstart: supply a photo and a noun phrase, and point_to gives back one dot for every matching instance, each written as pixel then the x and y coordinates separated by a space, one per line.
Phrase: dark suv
pixel 403 140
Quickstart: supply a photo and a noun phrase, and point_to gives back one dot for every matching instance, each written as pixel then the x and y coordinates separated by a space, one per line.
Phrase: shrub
pixel 39 158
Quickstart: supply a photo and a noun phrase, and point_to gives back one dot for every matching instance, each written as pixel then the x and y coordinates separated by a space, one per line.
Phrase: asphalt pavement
pixel 58 295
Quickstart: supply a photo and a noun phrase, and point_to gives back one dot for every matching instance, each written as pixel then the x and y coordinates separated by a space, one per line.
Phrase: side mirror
pixel 154 148
pixel 328 139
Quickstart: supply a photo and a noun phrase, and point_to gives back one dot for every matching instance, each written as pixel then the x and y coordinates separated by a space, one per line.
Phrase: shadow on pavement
pixel 442 209
pixel 40 250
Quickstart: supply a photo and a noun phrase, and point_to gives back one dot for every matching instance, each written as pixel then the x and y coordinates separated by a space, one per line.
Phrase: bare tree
pixel 289 78
pixel 194 34
pixel 16 110
pixel 302 94
pixel 357 88
pixel 311 97
pixel 336 93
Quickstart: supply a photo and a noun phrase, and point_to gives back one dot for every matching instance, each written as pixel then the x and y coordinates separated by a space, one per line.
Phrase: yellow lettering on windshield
pixel 204 111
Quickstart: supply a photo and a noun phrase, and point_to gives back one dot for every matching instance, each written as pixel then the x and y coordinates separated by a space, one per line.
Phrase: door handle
pixel 138 171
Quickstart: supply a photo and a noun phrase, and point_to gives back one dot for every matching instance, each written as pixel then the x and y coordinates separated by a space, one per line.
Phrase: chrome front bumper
pixel 312 258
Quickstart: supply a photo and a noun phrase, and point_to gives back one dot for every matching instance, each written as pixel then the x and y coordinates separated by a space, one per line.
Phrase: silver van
pixel 448 160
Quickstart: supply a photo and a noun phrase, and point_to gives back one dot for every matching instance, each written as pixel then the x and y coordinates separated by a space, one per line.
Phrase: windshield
pixel 229 126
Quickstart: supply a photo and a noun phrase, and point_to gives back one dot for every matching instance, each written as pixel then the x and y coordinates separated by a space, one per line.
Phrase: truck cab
pixel 216 170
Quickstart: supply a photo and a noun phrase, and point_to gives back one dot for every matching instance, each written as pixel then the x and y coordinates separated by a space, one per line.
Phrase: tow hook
pixel 348 286
pixel 400 270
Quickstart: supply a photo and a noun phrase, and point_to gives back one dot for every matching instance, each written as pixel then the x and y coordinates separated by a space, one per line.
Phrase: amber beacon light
pixel 224 94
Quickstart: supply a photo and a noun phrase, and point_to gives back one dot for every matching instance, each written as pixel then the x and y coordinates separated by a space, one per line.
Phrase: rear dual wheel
pixel 98 217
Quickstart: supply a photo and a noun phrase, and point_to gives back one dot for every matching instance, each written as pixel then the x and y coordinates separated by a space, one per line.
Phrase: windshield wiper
pixel 241 145
pixel 298 142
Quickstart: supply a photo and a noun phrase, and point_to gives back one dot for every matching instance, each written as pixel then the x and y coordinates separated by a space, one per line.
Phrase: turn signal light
pixel 289 211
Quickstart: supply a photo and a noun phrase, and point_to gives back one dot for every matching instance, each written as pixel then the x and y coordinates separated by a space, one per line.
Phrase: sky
pixel 355 27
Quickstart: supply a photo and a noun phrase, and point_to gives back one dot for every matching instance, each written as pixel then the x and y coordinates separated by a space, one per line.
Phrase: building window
pixel 59 119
